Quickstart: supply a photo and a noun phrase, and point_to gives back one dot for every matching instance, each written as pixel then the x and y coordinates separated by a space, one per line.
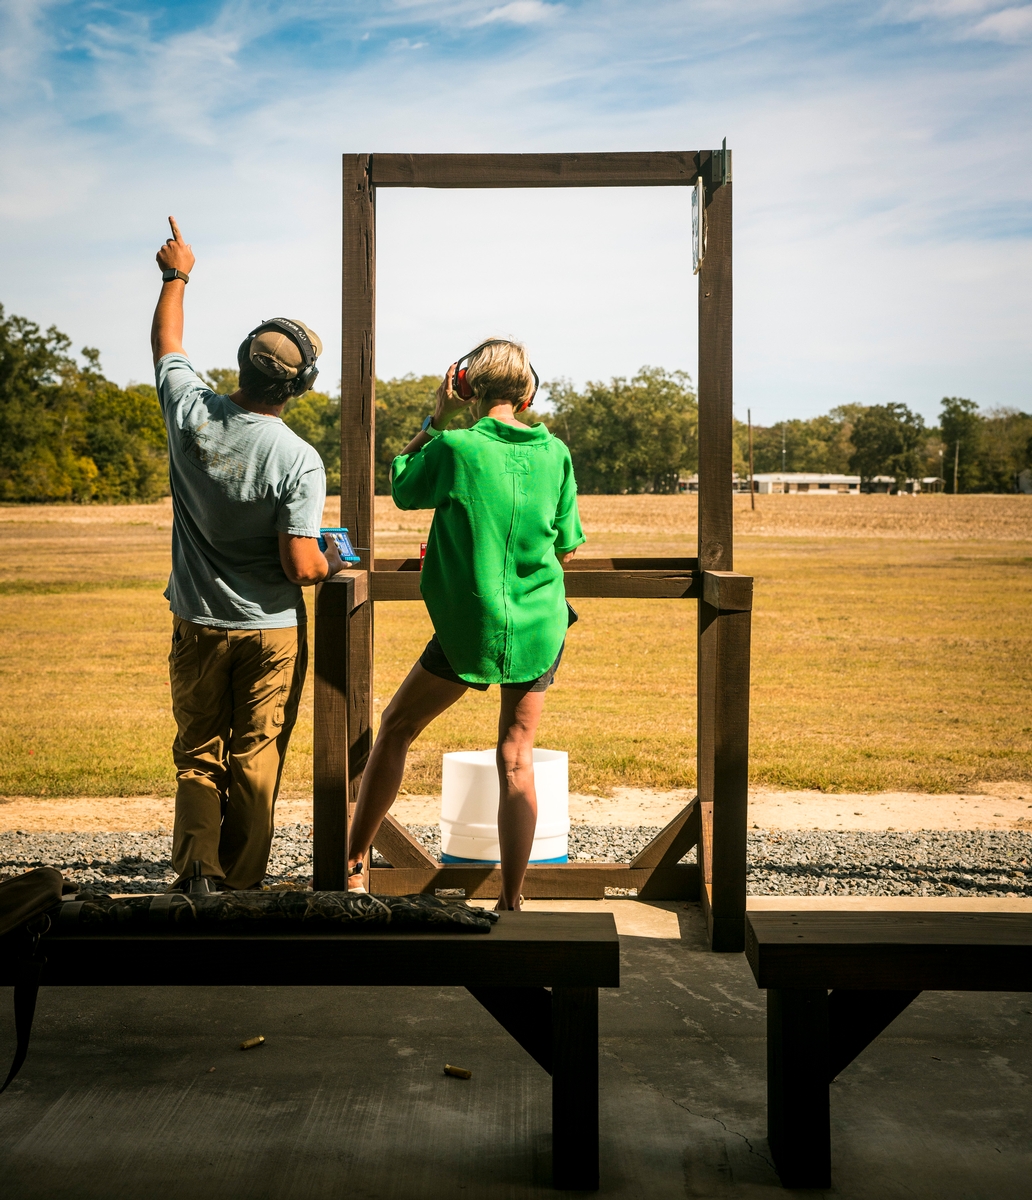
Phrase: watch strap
pixel 171 273
pixel 428 427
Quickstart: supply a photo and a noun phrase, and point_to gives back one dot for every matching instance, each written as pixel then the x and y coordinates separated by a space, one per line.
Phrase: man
pixel 247 501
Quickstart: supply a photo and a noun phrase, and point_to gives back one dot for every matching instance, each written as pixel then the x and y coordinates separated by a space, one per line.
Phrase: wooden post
pixel 334 601
pixel 358 438
pixel 575 1088
pixel 798 1104
pixel 723 645
pixel 752 482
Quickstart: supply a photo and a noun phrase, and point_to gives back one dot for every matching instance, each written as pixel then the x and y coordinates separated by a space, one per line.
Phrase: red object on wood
pixel 422 554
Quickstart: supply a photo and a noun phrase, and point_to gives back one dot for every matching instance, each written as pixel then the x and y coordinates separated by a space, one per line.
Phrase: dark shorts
pixel 434 660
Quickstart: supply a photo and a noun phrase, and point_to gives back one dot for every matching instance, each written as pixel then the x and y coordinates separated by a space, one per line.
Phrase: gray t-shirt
pixel 238 480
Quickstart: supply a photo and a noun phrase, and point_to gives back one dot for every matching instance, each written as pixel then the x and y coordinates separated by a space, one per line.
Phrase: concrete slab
pixel 347 1097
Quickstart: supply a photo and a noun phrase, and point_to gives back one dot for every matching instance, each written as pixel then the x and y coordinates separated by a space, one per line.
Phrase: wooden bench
pixel 507 970
pixel 835 980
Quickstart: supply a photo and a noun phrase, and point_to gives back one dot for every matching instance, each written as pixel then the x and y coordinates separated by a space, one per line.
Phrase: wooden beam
pixel 361 581
pixel 525 1013
pixel 334 602
pixel 358 437
pixel 584 881
pixel 398 579
pixel 715 389
pixel 678 168
pixel 723 635
pixel 673 842
pixel 723 783
pixel 400 848
pixel 856 1018
pixel 727 590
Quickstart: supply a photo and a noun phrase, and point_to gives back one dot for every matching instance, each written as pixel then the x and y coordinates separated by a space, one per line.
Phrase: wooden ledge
pixel 626 578
pixel 727 590
pixel 355 581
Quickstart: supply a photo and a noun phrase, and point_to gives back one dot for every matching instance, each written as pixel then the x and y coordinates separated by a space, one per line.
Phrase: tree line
pixel 67 433
pixel 980 452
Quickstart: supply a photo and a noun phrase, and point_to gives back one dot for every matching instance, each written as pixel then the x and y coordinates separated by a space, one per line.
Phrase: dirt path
pixel 989 806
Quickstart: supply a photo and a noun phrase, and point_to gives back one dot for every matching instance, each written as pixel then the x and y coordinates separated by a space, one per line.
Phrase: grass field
pixel 891 646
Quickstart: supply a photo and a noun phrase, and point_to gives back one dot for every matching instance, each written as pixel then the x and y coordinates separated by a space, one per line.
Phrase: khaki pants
pixel 235 694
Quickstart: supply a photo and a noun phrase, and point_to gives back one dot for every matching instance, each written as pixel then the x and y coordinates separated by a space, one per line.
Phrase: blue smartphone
pixel 341 540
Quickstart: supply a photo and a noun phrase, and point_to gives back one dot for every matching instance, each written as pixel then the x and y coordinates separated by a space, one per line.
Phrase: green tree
pixel 401 405
pixel 634 435
pixel 887 440
pixel 224 380
pixel 66 432
pixel 1004 448
pixel 820 444
pixel 961 427
pixel 316 418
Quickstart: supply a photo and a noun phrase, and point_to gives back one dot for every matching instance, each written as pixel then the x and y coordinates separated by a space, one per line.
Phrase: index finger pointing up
pixel 175 229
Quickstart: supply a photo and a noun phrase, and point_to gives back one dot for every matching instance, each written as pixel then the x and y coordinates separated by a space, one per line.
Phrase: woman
pixel 505 519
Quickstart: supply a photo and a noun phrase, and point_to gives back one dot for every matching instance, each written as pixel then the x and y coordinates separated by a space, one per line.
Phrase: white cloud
pixel 521 12
pixel 1008 25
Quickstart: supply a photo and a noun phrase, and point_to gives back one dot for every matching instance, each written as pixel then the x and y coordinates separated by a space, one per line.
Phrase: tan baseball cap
pixel 275 353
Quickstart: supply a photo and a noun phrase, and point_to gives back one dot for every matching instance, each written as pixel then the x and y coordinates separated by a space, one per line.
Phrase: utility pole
pixel 782 447
pixel 956 465
pixel 752 485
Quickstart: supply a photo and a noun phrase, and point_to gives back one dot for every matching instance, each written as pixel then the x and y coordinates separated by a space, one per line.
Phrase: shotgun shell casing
pixel 250 1043
pixel 458 1072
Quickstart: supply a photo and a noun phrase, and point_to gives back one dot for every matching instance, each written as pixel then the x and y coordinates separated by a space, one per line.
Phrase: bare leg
pixel 415 704
pixel 517 799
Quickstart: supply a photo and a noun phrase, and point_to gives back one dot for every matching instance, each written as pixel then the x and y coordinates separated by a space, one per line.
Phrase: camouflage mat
pixel 238 912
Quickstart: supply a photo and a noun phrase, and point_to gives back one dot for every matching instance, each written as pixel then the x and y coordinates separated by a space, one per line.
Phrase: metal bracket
pixel 720 172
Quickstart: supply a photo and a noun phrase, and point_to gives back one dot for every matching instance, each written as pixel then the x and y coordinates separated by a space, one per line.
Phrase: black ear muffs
pixel 461 386
pixel 305 378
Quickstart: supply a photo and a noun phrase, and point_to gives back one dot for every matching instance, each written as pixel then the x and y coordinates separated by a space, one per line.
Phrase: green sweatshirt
pixel 505 506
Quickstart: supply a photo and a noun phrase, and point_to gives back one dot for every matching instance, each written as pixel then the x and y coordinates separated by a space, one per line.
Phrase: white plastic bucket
pixel 469 807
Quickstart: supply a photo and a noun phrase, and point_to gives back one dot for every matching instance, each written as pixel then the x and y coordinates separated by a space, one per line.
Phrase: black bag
pixel 23 921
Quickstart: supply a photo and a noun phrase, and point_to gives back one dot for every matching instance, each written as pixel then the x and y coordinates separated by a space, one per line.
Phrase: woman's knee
pixel 515 754
pixel 398 725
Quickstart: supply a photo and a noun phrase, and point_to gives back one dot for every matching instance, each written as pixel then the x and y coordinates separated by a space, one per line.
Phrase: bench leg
pixel 798 1107
pixel 575 1088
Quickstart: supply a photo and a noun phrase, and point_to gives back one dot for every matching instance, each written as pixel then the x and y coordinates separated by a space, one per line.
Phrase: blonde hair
pixel 500 370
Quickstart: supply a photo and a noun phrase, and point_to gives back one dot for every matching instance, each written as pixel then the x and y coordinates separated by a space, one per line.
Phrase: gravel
pixel 811 863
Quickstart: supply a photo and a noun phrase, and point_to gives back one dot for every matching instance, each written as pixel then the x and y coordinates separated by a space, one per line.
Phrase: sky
pixel 882 183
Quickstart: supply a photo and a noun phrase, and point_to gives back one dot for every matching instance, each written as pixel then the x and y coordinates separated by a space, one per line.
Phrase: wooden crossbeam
pixel 679 168
pixel 613 578
pixel 559 881
pixel 400 848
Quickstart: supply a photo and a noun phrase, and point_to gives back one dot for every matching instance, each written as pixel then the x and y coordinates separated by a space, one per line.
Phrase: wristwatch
pixel 173 273
pixel 428 426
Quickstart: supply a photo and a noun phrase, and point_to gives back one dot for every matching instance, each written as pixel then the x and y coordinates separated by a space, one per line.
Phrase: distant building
pixel 804 481
pixel 809 483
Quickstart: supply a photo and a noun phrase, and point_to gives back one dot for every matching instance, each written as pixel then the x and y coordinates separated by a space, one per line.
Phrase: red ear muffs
pixel 461 386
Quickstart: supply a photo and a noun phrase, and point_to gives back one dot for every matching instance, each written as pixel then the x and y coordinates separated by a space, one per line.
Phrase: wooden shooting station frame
pixel 715 821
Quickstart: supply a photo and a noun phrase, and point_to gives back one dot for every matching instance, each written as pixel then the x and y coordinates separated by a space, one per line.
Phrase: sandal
pixel 357 869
